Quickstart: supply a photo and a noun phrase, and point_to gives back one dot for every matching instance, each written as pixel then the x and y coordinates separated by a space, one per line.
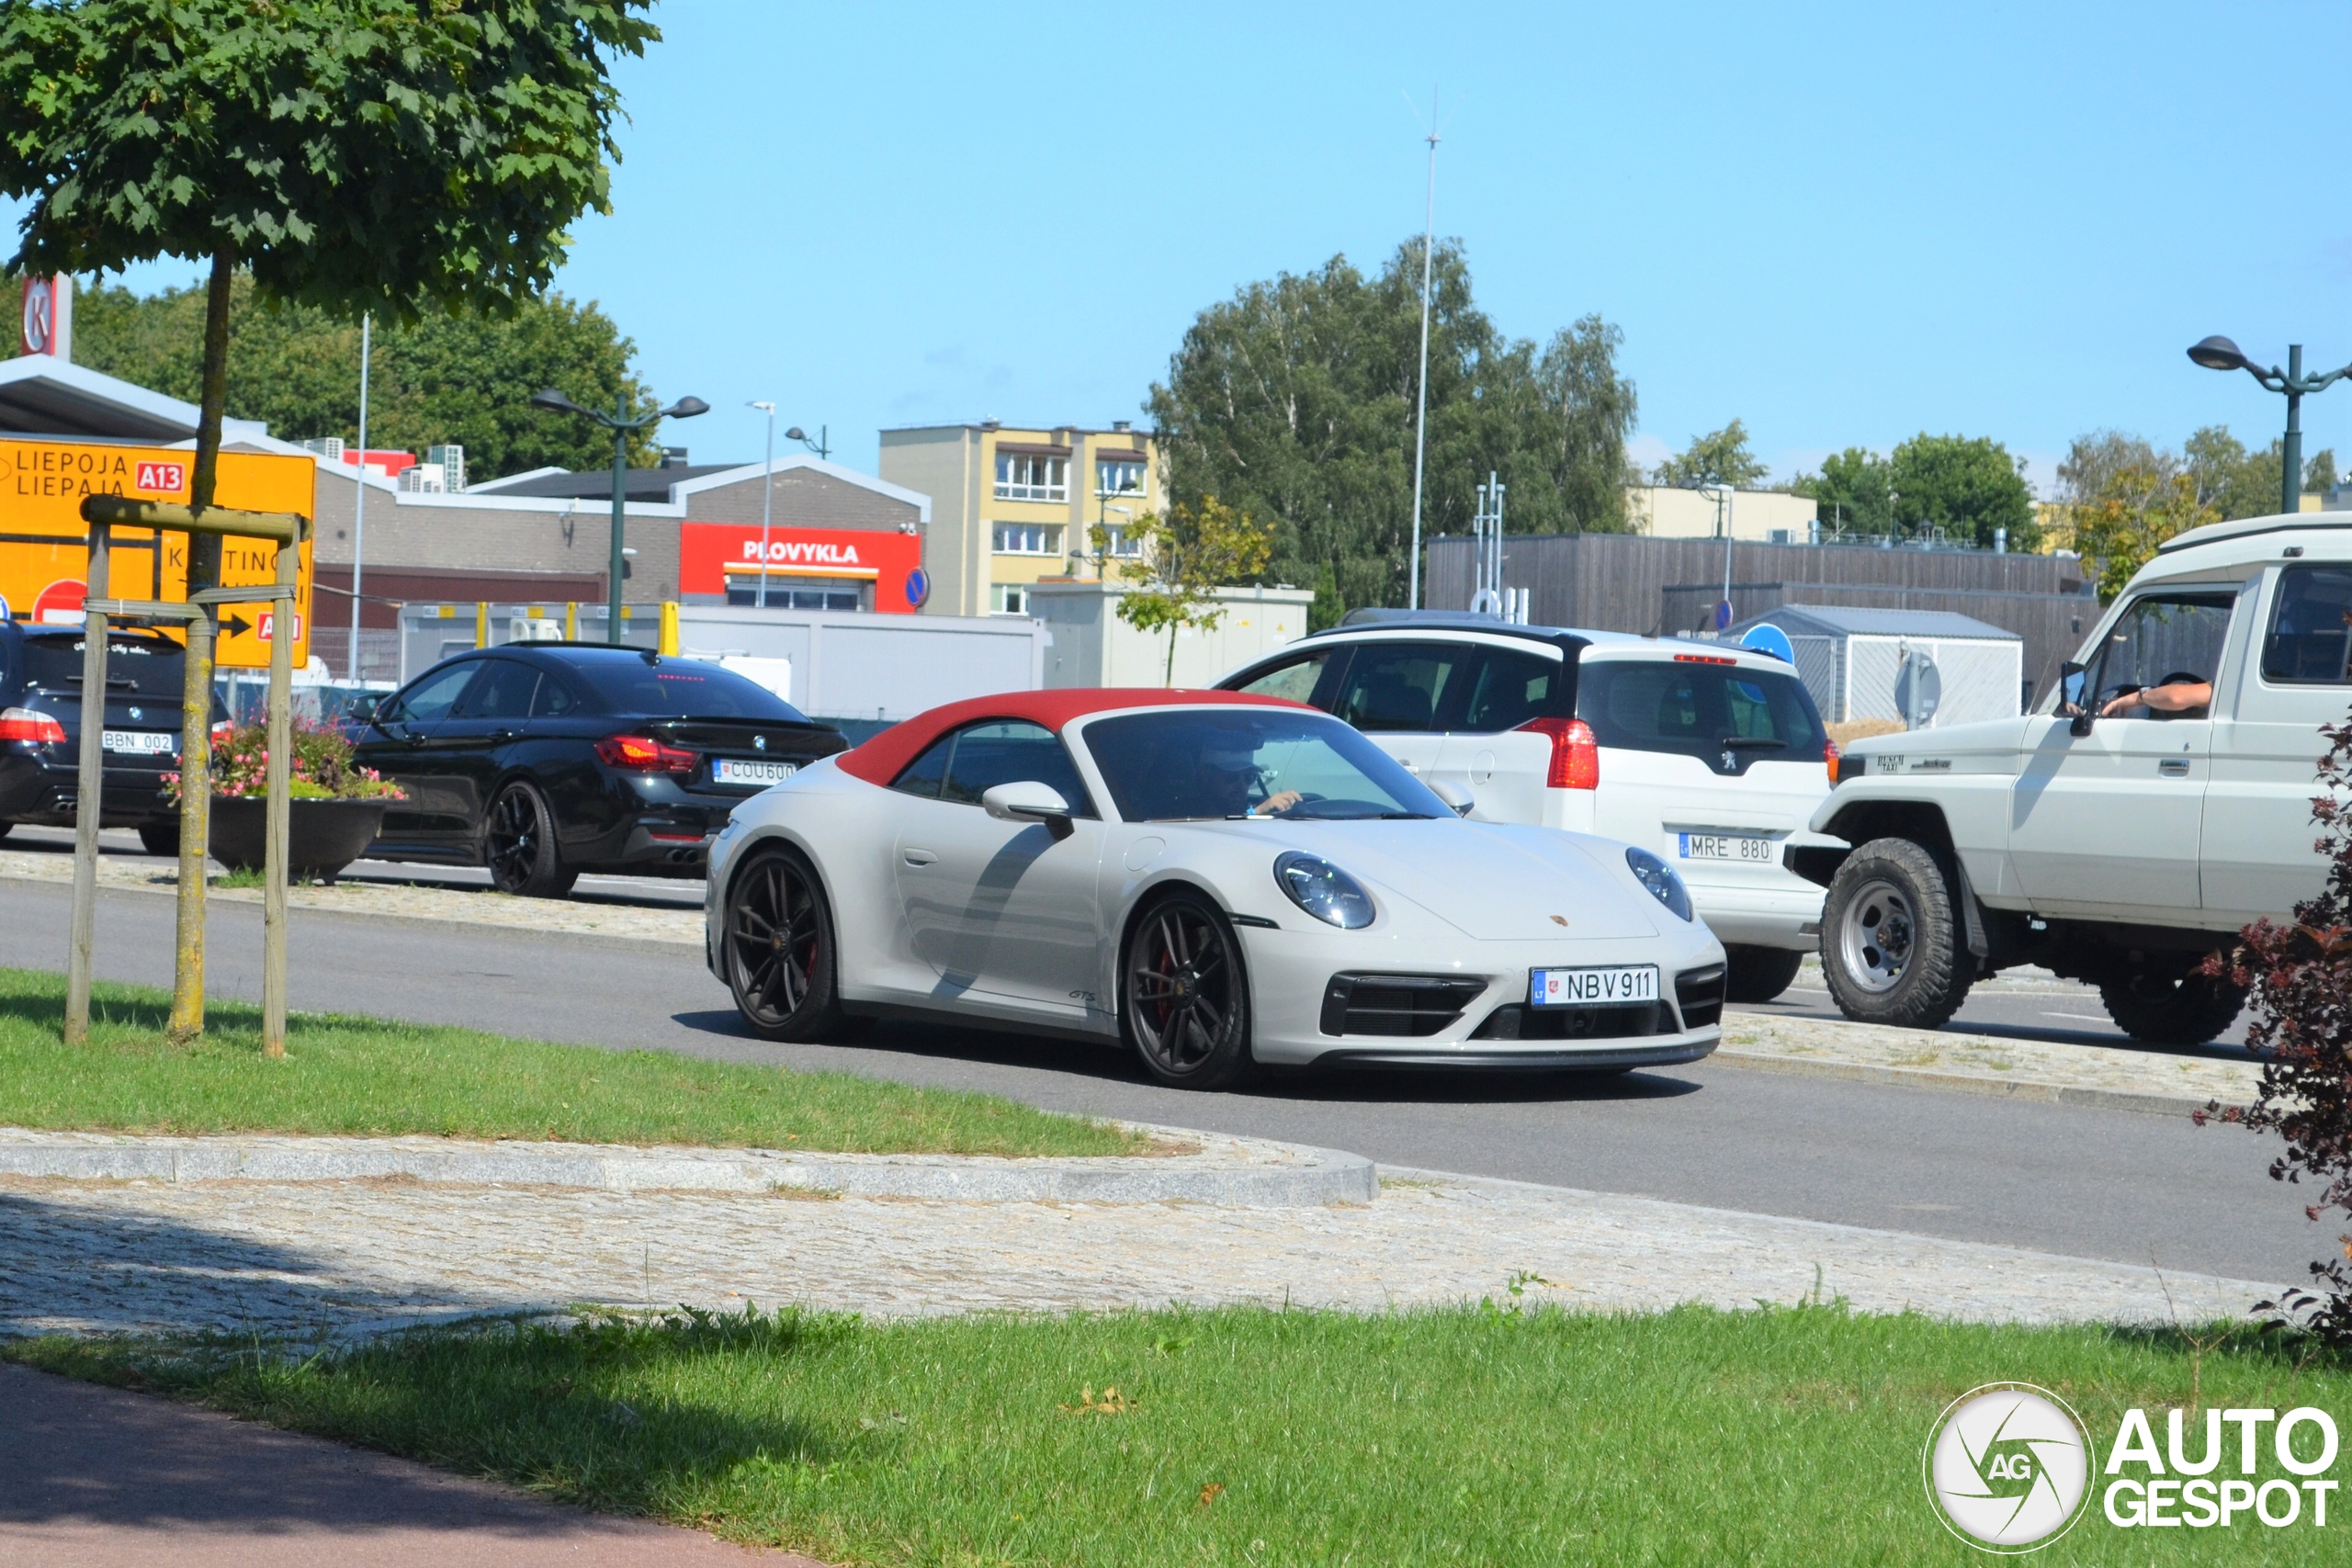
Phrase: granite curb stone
pixel 1238 1172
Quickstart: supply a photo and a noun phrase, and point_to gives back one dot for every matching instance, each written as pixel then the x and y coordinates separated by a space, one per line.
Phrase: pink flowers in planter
pixel 322 767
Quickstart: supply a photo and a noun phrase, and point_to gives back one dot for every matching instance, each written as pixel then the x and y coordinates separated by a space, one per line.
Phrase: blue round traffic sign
pixel 1770 638
pixel 1723 614
pixel 918 587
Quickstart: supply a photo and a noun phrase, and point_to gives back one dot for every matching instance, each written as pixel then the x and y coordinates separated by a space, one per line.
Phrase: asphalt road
pixel 2092 1183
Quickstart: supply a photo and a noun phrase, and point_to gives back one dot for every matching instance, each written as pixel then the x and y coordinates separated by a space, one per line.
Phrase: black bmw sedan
pixel 544 761
pixel 41 729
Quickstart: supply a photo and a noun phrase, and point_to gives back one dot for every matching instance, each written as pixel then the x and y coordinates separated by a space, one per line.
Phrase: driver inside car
pixel 2185 694
pixel 1229 775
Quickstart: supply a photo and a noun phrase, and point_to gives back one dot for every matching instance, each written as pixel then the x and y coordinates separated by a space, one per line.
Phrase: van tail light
pixel 1575 755
pixel 29 724
pixel 643 754
pixel 1830 758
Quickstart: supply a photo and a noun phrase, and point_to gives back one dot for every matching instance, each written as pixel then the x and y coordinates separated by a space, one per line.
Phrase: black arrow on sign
pixel 236 626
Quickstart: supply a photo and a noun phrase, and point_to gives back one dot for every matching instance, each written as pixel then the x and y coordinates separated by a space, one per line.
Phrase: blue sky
pixel 1842 224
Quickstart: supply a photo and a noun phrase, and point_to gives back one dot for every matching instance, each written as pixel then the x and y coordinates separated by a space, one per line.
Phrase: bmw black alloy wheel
pixel 776 941
pixel 1186 1000
pixel 514 838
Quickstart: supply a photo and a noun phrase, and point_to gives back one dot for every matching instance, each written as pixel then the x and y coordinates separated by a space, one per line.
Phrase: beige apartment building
pixel 1011 506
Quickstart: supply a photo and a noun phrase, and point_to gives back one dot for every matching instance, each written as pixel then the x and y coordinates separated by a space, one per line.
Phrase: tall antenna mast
pixel 1422 416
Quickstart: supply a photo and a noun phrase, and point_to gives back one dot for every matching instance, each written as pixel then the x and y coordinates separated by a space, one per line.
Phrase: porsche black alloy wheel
pixel 780 962
pixel 520 846
pixel 1185 998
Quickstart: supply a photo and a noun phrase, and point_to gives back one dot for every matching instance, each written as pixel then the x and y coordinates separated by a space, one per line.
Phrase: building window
pixel 1118 479
pixel 1010 599
pixel 1028 538
pixel 1020 477
pixel 1121 544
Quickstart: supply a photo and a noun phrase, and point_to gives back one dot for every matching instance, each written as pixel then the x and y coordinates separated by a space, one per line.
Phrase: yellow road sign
pixel 44 543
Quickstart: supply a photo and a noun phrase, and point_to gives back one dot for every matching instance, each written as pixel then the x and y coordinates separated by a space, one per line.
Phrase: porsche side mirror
pixel 1026 800
pixel 2074 698
pixel 1454 795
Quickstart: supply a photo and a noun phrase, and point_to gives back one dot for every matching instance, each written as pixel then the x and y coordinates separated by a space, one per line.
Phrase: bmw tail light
pixel 220 733
pixel 1830 758
pixel 1575 755
pixel 29 724
pixel 643 754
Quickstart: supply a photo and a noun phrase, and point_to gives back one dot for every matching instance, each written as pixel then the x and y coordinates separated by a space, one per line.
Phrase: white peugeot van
pixel 1711 754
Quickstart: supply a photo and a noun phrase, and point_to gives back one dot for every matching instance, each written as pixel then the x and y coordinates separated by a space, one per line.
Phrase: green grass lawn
pixel 1240 1437
pixel 369 1075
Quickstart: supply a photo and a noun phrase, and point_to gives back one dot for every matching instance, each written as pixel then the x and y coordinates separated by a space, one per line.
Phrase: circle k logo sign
pixel 2009 1467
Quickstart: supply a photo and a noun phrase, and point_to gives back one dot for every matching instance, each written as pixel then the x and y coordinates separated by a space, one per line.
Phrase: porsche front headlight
pixel 1324 891
pixel 1660 879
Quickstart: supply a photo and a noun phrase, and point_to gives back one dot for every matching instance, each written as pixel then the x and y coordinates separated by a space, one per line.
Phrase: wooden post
pixel 278 808
pixel 195 817
pixel 89 793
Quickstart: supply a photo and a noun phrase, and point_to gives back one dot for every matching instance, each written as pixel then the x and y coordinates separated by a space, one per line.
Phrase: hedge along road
pixel 2114 1185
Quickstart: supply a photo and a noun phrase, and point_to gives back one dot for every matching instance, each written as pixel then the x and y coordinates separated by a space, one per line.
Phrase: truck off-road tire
pixel 1759 974
pixel 159 838
pixel 2168 1009
pixel 1891 943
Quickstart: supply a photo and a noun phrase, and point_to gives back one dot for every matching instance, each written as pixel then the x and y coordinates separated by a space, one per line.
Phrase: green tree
pixel 464 376
pixel 2136 508
pixel 1294 400
pixel 1855 491
pixel 1969 488
pixel 1718 457
pixel 354 154
pixel 1191 552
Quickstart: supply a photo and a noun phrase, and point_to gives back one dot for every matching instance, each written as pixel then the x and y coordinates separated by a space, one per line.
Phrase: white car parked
pixel 1221 881
pixel 1709 754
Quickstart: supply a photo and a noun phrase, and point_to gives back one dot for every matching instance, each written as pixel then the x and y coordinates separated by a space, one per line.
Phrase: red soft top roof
pixel 879 759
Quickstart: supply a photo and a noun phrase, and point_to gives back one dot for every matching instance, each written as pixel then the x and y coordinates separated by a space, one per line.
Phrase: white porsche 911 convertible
pixel 1217 879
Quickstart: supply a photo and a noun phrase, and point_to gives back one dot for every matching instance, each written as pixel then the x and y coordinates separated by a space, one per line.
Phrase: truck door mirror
pixel 2074 698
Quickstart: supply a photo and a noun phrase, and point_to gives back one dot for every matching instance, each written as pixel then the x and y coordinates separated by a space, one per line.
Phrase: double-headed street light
pixel 622 426
pixel 2221 353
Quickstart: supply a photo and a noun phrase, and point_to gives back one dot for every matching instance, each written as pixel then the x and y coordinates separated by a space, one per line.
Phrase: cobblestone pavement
pixel 363 1256
pixel 409 901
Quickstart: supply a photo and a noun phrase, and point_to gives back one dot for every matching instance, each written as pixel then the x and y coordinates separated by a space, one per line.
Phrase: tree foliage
pixel 1718 457
pixel 1855 493
pixel 2135 510
pixel 462 377
pixel 1190 554
pixel 2299 977
pixel 1962 489
pixel 1295 399
pixel 354 154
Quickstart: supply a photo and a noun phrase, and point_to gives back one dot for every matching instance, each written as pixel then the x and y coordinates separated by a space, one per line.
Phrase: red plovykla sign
pixel 713 557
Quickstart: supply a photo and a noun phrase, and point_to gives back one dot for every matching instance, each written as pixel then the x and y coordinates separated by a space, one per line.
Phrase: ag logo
pixel 2007 1467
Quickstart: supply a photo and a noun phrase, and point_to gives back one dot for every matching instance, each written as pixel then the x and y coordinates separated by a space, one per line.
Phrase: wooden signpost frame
pixel 286 530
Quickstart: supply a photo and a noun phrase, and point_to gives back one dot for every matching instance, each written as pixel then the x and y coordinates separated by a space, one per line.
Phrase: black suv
pixel 543 760
pixel 41 729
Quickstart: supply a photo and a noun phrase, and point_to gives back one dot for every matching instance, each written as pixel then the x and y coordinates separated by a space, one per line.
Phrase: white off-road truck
pixel 2157 801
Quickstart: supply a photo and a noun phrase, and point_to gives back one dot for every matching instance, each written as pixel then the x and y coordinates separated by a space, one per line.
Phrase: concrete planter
pixel 322 837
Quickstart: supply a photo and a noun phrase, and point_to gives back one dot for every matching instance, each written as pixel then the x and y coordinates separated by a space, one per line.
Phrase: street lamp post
pixel 819 445
pixel 2221 353
pixel 767 501
pixel 622 426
